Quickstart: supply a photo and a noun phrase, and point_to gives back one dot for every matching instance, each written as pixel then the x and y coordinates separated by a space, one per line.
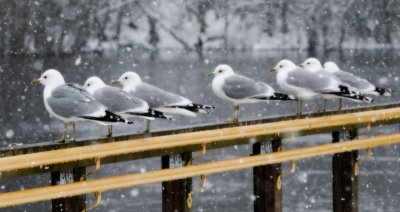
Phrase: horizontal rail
pixel 47 146
pixel 192 141
pixel 129 180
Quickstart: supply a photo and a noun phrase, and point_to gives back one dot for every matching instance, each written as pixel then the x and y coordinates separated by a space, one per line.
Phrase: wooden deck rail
pixel 14 163
pixel 129 180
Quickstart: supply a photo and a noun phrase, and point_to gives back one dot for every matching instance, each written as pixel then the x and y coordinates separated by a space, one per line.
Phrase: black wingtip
pixel 196 108
pixel 108 117
pixel 358 98
pixel 152 114
pixel 384 91
pixel 160 115
pixel 280 96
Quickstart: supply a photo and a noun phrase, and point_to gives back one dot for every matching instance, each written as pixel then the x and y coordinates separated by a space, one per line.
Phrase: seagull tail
pixel 151 113
pixel 384 91
pixel 108 117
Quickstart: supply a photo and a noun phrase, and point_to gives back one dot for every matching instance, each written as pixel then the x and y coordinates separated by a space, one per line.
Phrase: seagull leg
pixel 235 117
pixel 147 130
pixel 325 100
pixel 109 131
pixel 235 113
pixel 64 135
pixel 340 104
pixel 74 131
pixel 299 106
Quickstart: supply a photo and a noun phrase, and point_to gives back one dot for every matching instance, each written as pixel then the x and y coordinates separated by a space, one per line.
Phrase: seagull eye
pixel 220 71
pixel 88 84
pixel 281 66
pixel 308 63
pixel 126 77
pixel 45 77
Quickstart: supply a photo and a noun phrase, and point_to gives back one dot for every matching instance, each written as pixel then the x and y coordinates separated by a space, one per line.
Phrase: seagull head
pixel 331 66
pixel 221 70
pixel 311 64
pixel 50 77
pixel 93 83
pixel 129 78
pixel 283 65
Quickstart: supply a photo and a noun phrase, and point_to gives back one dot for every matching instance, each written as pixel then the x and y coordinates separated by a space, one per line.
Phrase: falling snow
pixel 174 44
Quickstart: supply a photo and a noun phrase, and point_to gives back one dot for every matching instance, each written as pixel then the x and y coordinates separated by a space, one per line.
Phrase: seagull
pixel 121 102
pixel 314 65
pixel 306 85
pixel 240 89
pixel 361 84
pixel 158 98
pixel 71 103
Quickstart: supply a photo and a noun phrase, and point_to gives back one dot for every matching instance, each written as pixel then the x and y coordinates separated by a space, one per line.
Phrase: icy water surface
pixel 23 119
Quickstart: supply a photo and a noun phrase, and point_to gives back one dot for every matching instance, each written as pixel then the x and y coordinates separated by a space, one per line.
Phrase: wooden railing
pixel 176 147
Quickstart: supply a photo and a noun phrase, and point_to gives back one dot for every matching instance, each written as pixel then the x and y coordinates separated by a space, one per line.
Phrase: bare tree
pixel 153 37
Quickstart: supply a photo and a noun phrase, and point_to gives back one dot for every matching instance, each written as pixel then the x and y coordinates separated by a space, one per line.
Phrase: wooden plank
pixel 175 192
pixel 268 198
pixel 345 181
pixel 158 176
pixel 68 204
pixel 192 141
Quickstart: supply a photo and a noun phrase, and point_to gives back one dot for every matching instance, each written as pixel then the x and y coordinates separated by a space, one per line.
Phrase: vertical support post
pixel 268 198
pixel 345 181
pixel 175 193
pixel 69 204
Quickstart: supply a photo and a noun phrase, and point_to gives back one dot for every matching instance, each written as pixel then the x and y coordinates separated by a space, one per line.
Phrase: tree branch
pixel 166 28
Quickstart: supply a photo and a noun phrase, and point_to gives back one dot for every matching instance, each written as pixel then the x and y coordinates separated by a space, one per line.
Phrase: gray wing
pixel 313 81
pixel 157 97
pixel 241 87
pixel 71 100
pixel 353 80
pixel 118 100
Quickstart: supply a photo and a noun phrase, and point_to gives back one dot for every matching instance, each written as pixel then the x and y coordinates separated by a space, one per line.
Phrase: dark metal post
pixel 70 204
pixel 175 193
pixel 345 181
pixel 268 196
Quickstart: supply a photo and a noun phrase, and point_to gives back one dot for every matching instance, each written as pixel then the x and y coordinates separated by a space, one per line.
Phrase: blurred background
pixel 174 44
pixel 73 27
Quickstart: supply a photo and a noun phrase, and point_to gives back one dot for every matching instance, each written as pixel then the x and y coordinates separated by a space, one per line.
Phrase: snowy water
pixel 23 119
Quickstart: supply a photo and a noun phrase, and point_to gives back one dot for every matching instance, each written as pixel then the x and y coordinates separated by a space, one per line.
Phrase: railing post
pixel 175 193
pixel 70 204
pixel 345 181
pixel 267 195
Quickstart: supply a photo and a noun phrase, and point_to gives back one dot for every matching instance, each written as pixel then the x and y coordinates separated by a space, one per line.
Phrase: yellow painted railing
pixel 196 139
pixel 129 180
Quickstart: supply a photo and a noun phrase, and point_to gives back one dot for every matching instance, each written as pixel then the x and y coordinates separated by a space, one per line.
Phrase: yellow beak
pixel 35 81
pixel 211 74
pixel 300 65
pixel 271 70
pixel 114 82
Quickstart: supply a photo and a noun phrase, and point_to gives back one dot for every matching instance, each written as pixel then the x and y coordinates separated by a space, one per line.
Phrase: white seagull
pixel 121 102
pixel 315 66
pixel 71 103
pixel 158 98
pixel 361 84
pixel 305 84
pixel 239 89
